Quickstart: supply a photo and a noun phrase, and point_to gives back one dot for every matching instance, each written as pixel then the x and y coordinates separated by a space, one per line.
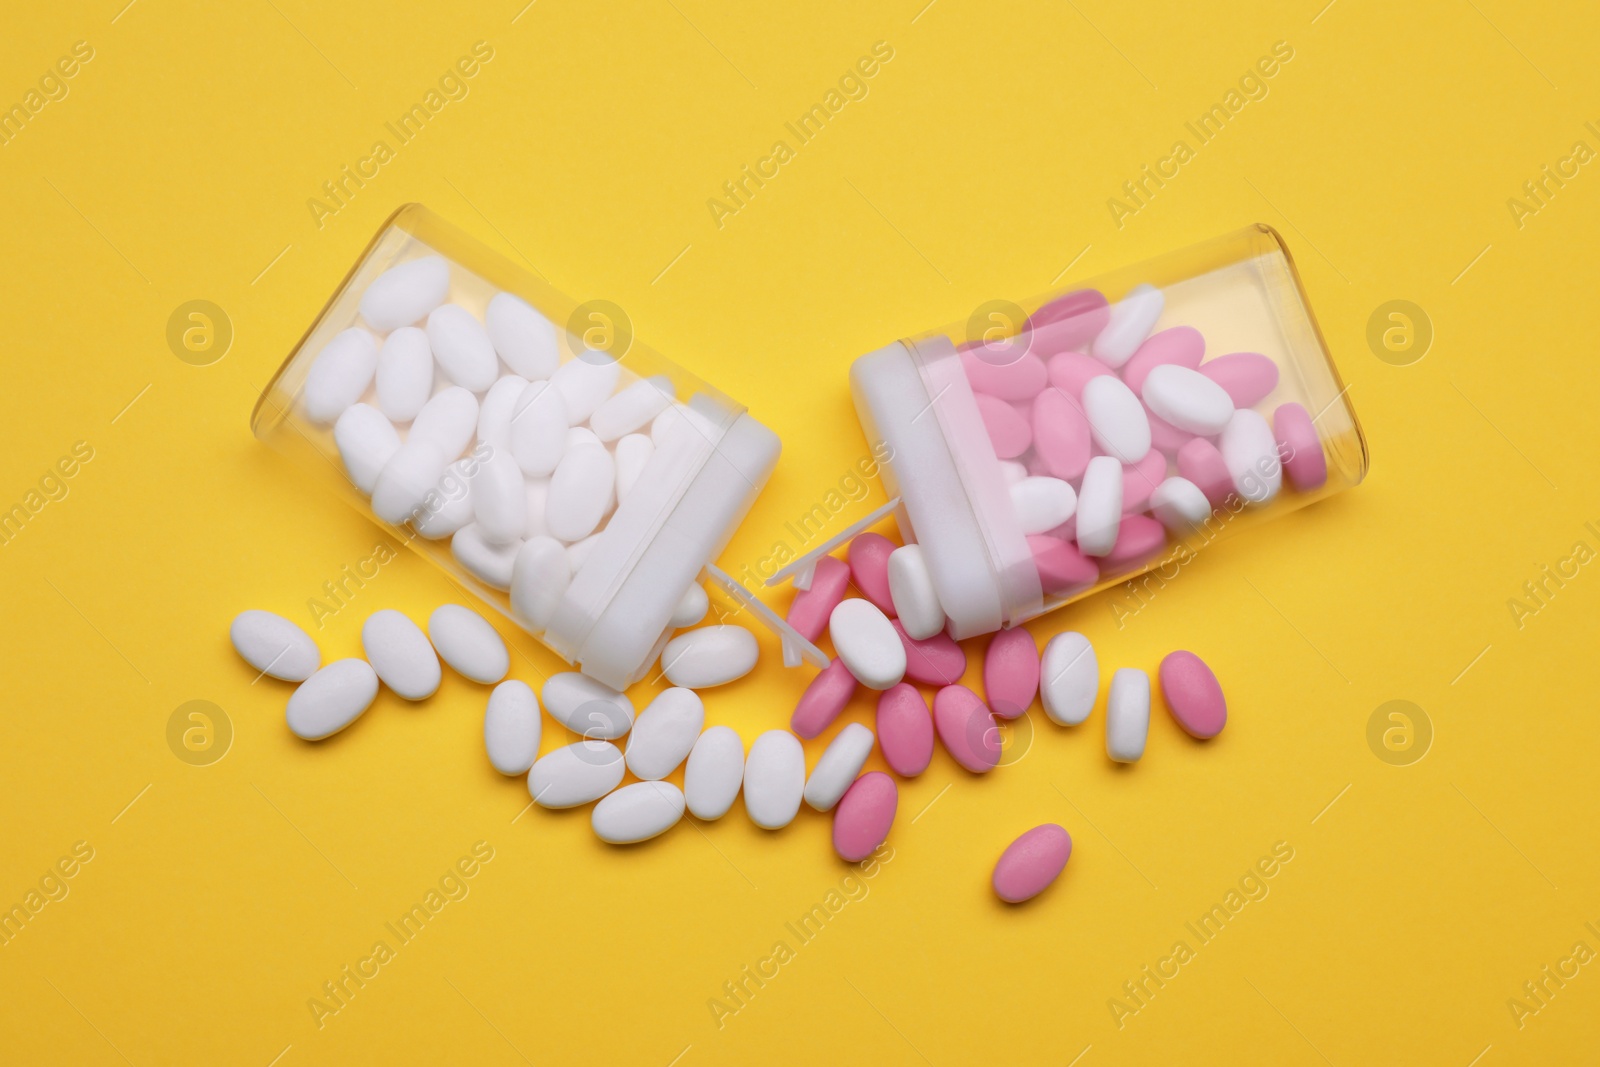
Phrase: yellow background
pixel 221 897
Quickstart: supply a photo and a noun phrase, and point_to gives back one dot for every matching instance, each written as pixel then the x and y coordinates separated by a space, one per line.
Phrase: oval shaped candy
pixel 869 568
pixel 1009 434
pixel 1042 503
pixel 1100 506
pixel 1180 505
pixel 1069 678
pixel 774 779
pixel 841 761
pixel 585 383
pixel 1251 454
pixel 525 339
pixel 405 373
pixel 1127 715
pixel 1201 463
pixel 1187 399
pixel 331 699
pixel 1247 377
pixel 916 602
pixel 406 480
pixel 400 654
pixel 492 564
pixel 1011 673
pixel 631 408
pixel 1071 371
pixel 867 643
pixel 1140 479
pixel 1181 346
pixel 449 419
pixel 811 607
pixel 539 578
pixel 575 774
pixel 966 728
pixel 512 727
pixel 665 733
pixel 1193 695
pixel 495 411
pixel 448 507
pixel 936 660
pixel 1031 863
pixel 582 490
pixel 1138 538
pixel 1116 419
pixel 587 707
pixel 823 699
pixel 633 452
pixel 538 429
pixel 405 294
pixel 1061 437
pixel 274 646
pixel 864 816
pixel 905 730
pixel 1062 567
pixel 1069 321
pixel 462 348
pixel 1300 447
pixel 709 656
pixel 715 771
pixel 466 641
pixel 1007 371
pixel 1132 319
pixel 637 813
pixel 499 498
pixel 692 607
pixel 341 373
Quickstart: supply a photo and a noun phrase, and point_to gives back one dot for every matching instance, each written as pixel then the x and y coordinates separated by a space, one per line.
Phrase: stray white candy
pixel 1041 504
pixel 366 441
pixel 449 506
pixel 1180 505
pixel 633 452
pixel 1069 678
pixel 585 383
pixel 587 707
pixel 494 413
pixel 342 372
pixel 405 373
pixel 916 602
pixel 1116 418
pixel 539 579
pixel 576 774
pixel 468 643
pixel 709 656
pixel 1250 453
pixel 492 564
pixel 1100 506
pixel 836 771
pixel 448 419
pixel 637 812
pixel 538 433
pixel 525 339
pixel 331 699
pixel 582 490
pixel 400 654
pixel 631 408
pixel 864 639
pixel 410 475
pixel 274 646
pixel 692 607
pixel 774 779
pixel 716 769
pixel 462 348
pixel 1187 399
pixel 665 733
pixel 1132 319
pixel 538 495
pixel 500 499
pixel 402 295
pixel 511 727
pixel 1127 714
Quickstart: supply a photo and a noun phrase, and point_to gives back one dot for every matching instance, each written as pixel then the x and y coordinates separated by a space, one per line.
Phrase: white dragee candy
pixel 468 643
pixel 449 507
pixel 1042 503
pixel 692 607
pixel 1132 319
pixel 587 707
pixel 1127 714
pixel 490 563
pixel 665 733
pixel 1013 471
pixel 366 441
pixel 632 408
pixel 409 476
pixel 1116 418
pixel 911 589
pixel 1187 399
pixel 341 373
pixel 1099 506
pixel 525 339
pixel 403 295
pixel 494 414
pixel 1250 453
pixel 774 779
pixel 538 433
pixel 633 452
pixel 500 499
pixel 715 771
pixel 1069 678
pixel 540 575
pixel 400 654
pixel 511 727
pixel 709 656
pixel 582 489
pixel 274 646
pixel 1180 505
pixel 462 348
pixel 538 494
pixel 331 699
pixel 681 419
pixel 448 419
pixel 637 813
pixel 405 373
pixel 576 774
pixel 585 382
pixel 578 551
pixel 841 761
pixel 864 639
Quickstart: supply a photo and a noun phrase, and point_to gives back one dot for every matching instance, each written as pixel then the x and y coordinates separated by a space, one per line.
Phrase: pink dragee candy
pixel 935 660
pixel 1070 371
pixel 869 568
pixel 905 730
pixel 1201 463
pixel 1165 437
pixel 1140 479
pixel 966 728
pixel 823 699
pixel 1247 377
pixel 1298 444
pixel 1193 695
pixel 1061 439
pixel 1138 538
pixel 1010 435
pixel 810 609
pixel 1031 863
pixel 1181 345
pixel 1070 321
pixel 1011 672
pixel 1007 371
pixel 1062 568
pixel 863 816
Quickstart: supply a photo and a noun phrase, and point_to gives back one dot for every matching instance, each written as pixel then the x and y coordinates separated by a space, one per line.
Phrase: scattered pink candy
pixel 1062 568
pixel 1297 440
pixel 1138 538
pixel 935 660
pixel 1031 863
pixel 905 730
pixel 863 816
pixel 1061 440
pixel 869 568
pixel 966 728
pixel 1011 672
pixel 1246 376
pixel 1193 695
pixel 823 699
pixel 810 609
pixel 1181 345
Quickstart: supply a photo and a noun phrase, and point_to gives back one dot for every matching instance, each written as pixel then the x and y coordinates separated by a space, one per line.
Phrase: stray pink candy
pixel 1140 479
pixel 1181 345
pixel 1071 371
pixel 810 609
pixel 1007 371
pixel 905 730
pixel 1247 377
pixel 935 660
pixel 1165 437
pixel 1138 538
pixel 1193 695
pixel 1010 435
pixel 1061 439
pixel 863 816
pixel 1062 568
pixel 1300 447
pixel 1201 463
pixel 869 568
pixel 1069 321
pixel 1011 672
pixel 1031 863
pixel 823 699
pixel 966 728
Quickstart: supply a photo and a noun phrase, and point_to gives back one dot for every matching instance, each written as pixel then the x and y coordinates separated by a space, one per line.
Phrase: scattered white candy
pixel 448 419
pixel 864 639
pixel 400 654
pixel 366 442
pixel 1132 319
pixel 539 578
pixel 637 812
pixel 633 452
pixel 274 646
pixel 331 699
pixel 539 421
pixel 1187 399
pixel 586 382
pixel 1250 453
pixel 774 779
pixel 409 476
pixel 709 656
pixel 836 771
pixel 468 643
pixel 405 373
pixel 576 774
pixel 587 707
pixel 716 769
pixel 1127 715
pixel 1116 418
pixel 916 602
pixel 494 413
pixel 462 348
pixel 341 373
pixel 500 499
pixel 582 490
pixel 525 339
pixel 665 733
pixel 511 727
pixel 1041 503
pixel 1069 678
pixel 692 607
pixel 402 295
pixel 631 408
pixel 1180 505
pixel 1099 505
pixel 492 564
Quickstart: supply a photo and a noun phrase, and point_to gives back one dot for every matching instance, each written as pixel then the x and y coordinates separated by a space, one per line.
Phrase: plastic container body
pixel 1042 453
pixel 575 480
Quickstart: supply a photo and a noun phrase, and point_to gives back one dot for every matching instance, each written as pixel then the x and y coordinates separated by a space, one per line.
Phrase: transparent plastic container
pixel 602 594
pixel 982 420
